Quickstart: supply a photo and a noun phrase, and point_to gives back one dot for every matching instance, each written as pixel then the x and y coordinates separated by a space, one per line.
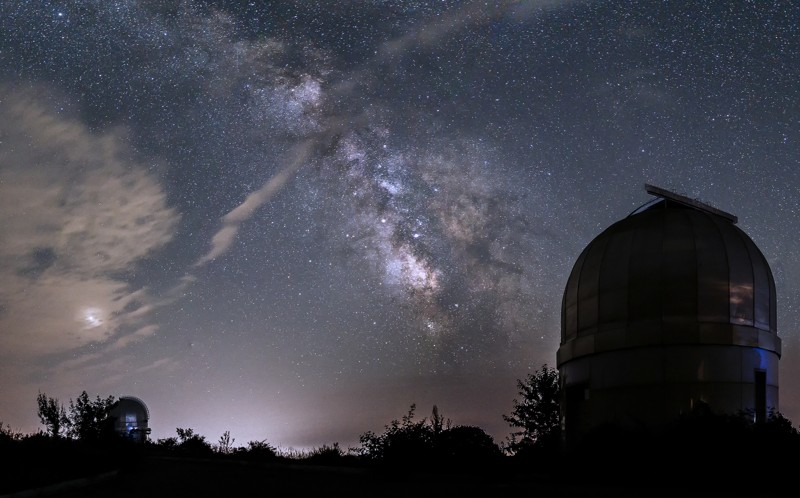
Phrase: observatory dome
pixel 131 418
pixel 668 309
pixel 671 272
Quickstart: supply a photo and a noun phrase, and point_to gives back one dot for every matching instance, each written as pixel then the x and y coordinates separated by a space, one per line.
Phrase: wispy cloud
pixel 432 33
pixel 76 211
pixel 225 236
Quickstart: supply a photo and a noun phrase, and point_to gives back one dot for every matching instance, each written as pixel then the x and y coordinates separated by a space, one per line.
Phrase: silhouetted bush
pixel 466 447
pixel 192 444
pixel 167 443
pixel 544 455
pixel 428 444
pixel 257 451
pixel 330 455
pixel 403 442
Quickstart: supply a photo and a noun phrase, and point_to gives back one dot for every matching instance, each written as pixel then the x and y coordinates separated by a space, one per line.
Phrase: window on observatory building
pixel 713 294
pixel 130 418
pixel 761 395
pixel 741 280
pixel 576 397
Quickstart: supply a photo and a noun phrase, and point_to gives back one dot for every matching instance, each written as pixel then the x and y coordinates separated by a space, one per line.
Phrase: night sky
pixel 294 219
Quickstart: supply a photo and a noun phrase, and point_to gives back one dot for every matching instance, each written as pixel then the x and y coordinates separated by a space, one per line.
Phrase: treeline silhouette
pixel 701 449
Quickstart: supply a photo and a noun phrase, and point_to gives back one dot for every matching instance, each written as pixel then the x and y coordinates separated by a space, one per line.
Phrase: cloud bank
pixel 77 211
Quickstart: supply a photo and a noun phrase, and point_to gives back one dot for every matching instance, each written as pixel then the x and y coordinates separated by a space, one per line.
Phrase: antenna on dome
pixel 672 196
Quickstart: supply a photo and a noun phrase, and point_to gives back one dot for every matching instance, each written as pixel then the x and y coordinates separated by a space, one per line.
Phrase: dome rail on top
pixel 661 193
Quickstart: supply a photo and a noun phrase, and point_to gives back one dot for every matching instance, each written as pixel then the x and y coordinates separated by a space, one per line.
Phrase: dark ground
pixel 166 476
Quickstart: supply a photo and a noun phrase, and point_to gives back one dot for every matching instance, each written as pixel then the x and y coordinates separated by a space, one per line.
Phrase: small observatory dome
pixel 131 418
pixel 669 308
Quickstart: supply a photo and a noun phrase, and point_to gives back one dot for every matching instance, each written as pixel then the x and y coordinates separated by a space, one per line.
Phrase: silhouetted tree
pixel 537 410
pixel 191 443
pixel 225 443
pixel 402 440
pixel 185 434
pixel 90 419
pixel 52 414
pixel 437 421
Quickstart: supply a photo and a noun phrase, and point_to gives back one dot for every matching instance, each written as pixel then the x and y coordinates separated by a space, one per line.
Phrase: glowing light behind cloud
pixel 76 209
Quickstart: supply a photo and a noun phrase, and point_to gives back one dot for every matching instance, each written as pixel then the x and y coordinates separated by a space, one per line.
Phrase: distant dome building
pixel 131 418
pixel 669 309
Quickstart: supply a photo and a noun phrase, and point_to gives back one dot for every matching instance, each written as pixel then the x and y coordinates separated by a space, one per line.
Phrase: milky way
pixel 292 220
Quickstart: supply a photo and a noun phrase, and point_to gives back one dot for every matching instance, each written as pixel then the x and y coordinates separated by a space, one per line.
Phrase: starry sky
pixel 293 219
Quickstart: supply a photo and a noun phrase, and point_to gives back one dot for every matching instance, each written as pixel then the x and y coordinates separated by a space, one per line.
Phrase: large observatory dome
pixel 670 269
pixel 672 305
